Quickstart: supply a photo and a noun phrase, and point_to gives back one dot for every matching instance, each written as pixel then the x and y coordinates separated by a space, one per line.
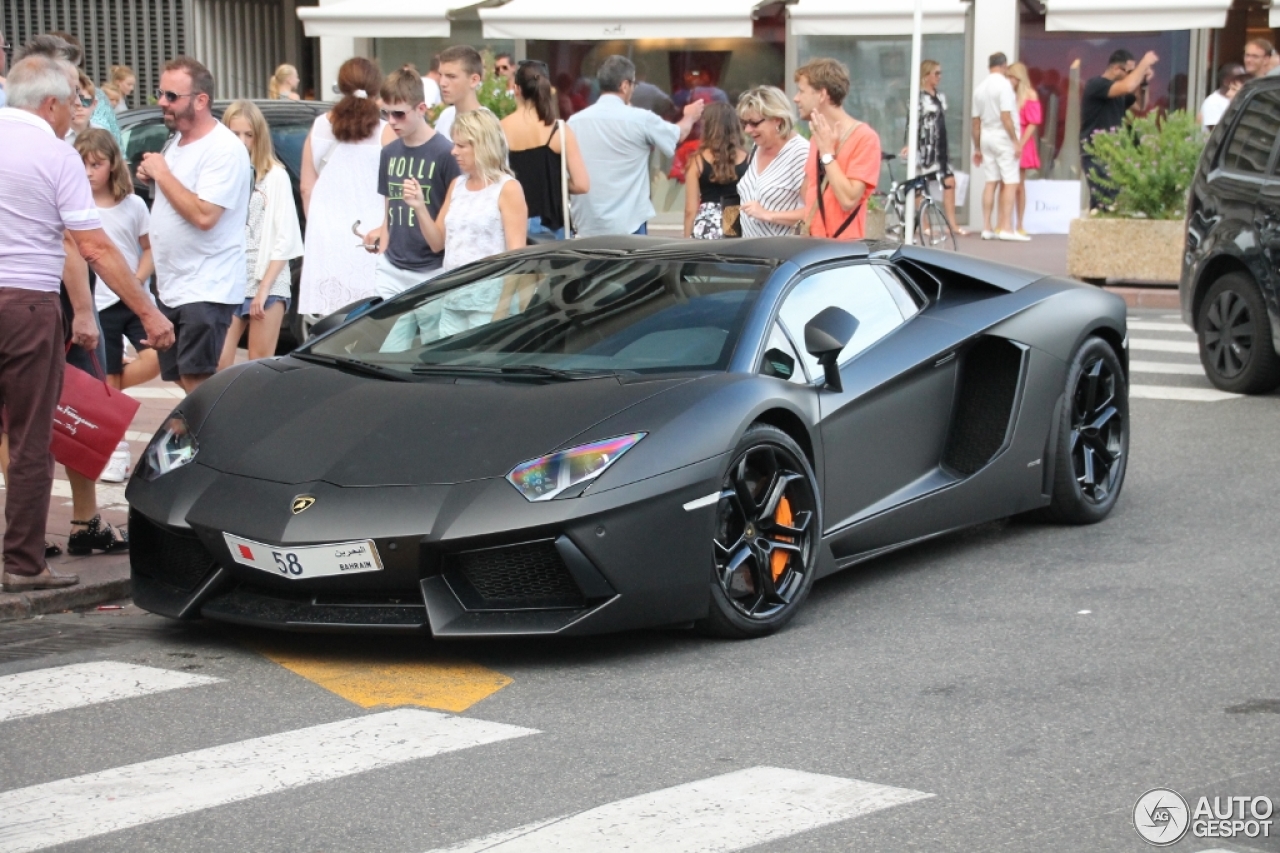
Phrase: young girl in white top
pixel 484 214
pixel 272 239
pixel 127 222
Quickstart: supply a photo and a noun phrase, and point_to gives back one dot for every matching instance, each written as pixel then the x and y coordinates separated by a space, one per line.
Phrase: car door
pixel 1266 218
pixel 887 428
pixel 1238 182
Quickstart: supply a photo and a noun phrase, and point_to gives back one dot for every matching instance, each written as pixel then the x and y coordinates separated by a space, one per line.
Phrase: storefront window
pixel 1048 57
pixel 880 71
pixel 394 53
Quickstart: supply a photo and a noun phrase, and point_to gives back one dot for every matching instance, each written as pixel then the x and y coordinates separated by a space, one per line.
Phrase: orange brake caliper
pixel 778 560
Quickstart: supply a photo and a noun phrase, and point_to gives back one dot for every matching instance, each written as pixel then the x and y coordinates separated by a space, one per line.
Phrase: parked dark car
pixel 1230 286
pixel 143 130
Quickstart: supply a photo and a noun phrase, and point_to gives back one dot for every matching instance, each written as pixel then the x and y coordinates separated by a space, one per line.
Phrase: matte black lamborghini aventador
pixel 625 432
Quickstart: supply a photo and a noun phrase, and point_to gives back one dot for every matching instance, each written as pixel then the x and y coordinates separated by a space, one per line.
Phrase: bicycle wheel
pixel 932 228
pixel 893 229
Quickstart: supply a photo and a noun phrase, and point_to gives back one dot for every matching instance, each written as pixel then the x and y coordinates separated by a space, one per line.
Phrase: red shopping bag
pixel 91 418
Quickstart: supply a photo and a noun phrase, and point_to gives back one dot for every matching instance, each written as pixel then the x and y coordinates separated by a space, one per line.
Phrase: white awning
pixel 380 18
pixel 874 17
pixel 642 19
pixel 1274 17
pixel 1122 16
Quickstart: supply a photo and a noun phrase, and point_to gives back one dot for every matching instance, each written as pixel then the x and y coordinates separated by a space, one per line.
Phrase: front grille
pixel 518 577
pixel 177 559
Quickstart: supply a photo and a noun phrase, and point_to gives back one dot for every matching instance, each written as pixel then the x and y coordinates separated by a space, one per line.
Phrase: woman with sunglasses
pixel 540 146
pixel 770 190
pixel 932 153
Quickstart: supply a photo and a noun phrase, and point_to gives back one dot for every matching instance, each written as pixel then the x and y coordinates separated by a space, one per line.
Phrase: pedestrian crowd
pixel 392 198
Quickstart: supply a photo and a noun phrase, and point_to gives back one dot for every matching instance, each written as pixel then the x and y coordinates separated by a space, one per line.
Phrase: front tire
pixel 1234 332
pixel 1093 437
pixel 765 547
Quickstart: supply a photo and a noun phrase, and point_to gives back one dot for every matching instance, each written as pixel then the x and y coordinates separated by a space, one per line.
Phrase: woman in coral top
pixel 1029 119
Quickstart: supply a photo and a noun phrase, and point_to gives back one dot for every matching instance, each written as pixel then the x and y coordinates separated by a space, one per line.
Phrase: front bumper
pixel 472 559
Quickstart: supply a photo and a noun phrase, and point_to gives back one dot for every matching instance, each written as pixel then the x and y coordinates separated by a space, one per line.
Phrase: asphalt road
pixel 1033 680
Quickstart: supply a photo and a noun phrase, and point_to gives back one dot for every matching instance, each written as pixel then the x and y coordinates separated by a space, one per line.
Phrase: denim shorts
pixel 243 311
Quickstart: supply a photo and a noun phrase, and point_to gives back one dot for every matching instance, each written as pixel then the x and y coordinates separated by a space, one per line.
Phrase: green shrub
pixel 1148 162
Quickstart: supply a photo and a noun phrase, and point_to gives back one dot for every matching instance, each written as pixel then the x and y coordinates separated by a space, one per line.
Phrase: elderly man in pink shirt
pixel 44 194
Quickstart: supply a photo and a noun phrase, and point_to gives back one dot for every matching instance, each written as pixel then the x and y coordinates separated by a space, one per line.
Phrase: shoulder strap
pixel 564 175
pixel 822 187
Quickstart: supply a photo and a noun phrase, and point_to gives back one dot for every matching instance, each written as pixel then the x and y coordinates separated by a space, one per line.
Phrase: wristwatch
pixel 827 159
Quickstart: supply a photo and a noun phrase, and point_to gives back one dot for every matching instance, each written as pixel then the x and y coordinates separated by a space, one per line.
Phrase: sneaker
pixel 988 235
pixel 117 470
pixel 47 579
pixel 1013 236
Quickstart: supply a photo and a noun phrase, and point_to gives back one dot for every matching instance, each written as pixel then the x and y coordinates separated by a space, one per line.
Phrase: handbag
pixel 564 178
pixel 90 419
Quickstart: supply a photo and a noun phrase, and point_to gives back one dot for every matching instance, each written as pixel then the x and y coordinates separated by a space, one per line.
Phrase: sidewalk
pixel 103 577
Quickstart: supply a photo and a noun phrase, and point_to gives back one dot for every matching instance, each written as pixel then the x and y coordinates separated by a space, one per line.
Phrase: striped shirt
pixel 776 188
pixel 43 192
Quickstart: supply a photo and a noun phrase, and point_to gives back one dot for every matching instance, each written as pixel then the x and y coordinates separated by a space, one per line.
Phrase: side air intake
pixel 989 377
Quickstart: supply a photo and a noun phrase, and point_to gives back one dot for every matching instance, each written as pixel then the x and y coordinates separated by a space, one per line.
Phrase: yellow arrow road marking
pixel 371 680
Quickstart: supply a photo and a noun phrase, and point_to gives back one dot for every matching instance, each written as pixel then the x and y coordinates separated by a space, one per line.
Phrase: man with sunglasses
pixel 504 68
pixel 203 179
pixel 418 158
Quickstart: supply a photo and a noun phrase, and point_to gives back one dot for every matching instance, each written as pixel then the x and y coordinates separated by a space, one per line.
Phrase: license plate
pixel 306 561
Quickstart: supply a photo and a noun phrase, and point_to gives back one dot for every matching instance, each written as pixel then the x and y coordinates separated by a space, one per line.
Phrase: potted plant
pixel 1148 163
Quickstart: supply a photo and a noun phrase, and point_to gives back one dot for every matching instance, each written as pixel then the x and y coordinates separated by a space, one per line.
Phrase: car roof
pixel 802 251
pixel 275 112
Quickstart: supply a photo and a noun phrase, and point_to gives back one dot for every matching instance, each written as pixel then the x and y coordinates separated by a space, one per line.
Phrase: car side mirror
pixel 825 336
pixel 342 315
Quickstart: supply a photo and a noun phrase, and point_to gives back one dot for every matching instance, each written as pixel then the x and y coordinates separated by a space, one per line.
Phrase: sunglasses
pixel 502 69
pixel 86 101
pixel 752 125
pixel 165 96
pixel 398 115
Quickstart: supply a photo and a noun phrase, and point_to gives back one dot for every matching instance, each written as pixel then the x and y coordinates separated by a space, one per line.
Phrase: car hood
pixel 295 423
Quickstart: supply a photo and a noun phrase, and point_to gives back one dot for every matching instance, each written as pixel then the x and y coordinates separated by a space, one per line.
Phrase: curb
pixel 1148 297
pixel 24 605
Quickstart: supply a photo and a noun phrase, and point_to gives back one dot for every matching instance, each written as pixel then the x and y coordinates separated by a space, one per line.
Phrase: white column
pixel 995 30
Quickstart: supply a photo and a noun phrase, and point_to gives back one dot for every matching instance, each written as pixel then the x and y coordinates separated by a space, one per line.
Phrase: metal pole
pixel 913 118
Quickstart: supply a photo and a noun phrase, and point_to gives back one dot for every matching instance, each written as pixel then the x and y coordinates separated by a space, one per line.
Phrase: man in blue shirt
pixel 616 139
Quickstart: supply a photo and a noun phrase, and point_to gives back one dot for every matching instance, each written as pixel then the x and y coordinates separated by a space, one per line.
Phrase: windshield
pixel 565 315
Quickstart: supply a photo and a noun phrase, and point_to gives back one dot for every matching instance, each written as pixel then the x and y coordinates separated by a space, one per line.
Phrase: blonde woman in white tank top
pixel 485 214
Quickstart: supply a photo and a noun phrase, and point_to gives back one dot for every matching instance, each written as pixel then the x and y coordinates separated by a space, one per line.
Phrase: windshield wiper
pixel 510 371
pixel 354 365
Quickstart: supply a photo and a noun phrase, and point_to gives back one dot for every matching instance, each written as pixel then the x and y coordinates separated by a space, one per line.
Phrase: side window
pixel 144 139
pixel 1249 148
pixel 858 290
pixel 781 359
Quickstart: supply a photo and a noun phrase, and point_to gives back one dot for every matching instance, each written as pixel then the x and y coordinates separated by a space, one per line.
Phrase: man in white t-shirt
pixel 203 178
pixel 995 144
pixel 461 73
pixel 431 83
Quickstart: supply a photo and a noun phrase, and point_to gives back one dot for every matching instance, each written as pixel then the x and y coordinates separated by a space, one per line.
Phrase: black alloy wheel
pixel 1234 330
pixel 765 542
pixel 1093 440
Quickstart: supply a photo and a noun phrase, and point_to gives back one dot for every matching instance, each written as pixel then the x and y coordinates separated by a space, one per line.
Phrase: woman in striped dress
pixel 772 203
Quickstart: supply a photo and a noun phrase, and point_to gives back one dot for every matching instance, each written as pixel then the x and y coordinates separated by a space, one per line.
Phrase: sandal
pixel 51 549
pixel 97 535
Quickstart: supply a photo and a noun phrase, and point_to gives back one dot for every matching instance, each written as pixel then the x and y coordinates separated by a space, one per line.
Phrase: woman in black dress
pixel 711 180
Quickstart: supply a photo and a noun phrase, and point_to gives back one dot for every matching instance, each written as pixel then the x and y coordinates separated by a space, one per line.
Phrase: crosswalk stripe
pixel 722 813
pixel 1174 367
pixel 43 691
pixel 1173 392
pixel 95 804
pixel 1149 326
pixel 1157 345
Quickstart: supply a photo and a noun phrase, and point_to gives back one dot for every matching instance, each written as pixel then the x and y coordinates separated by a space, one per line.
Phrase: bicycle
pixel 931 227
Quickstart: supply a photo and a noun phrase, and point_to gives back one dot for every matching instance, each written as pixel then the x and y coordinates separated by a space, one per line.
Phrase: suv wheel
pixel 1235 337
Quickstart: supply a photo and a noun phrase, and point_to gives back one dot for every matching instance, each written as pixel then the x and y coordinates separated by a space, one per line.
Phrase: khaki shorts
pixel 999 157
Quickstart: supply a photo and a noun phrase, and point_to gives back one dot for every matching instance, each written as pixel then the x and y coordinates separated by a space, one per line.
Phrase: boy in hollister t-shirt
pixel 419 155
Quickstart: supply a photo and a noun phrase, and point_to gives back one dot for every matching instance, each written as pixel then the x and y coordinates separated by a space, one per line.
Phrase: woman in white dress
pixel 772 203
pixel 484 214
pixel 339 185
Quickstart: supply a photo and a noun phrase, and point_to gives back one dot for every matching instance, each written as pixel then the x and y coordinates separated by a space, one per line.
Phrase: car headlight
pixel 543 478
pixel 174 445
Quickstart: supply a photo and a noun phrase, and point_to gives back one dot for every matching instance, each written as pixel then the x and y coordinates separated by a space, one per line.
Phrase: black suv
pixel 1230 287
pixel 143 131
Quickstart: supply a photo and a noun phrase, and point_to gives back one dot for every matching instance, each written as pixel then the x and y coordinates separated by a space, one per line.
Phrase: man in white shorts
pixel 996 149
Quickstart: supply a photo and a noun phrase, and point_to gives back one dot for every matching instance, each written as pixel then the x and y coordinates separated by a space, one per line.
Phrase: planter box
pixel 1126 249
pixel 875 225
